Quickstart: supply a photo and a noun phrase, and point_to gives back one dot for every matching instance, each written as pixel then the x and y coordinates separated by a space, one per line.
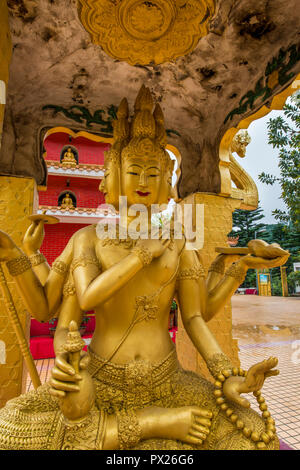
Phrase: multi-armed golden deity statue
pixel 129 391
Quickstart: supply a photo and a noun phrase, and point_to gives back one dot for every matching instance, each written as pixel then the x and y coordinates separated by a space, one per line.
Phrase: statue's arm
pixel 70 311
pixel 193 306
pixel 41 301
pixel 32 241
pixel 216 290
pixel 94 287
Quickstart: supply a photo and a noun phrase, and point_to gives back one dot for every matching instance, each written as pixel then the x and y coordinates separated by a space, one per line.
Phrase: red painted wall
pixel 88 151
pixel 86 191
pixel 56 238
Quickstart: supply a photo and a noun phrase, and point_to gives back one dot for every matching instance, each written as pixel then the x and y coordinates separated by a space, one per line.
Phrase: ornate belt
pixel 135 375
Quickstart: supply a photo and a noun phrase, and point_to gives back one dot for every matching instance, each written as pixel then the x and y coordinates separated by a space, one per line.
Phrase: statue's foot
pixel 189 424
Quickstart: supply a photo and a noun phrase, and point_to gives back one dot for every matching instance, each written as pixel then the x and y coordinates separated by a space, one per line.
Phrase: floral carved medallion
pixel 146 32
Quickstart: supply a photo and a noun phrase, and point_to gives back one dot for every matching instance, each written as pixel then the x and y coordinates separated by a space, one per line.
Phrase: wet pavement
pixel 270 326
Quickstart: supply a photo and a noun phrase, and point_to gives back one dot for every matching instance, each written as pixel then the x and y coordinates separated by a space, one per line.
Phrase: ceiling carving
pixel 146 32
pixel 250 53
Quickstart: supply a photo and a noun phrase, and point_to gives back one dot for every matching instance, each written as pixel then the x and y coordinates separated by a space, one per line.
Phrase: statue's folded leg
pixel 191 389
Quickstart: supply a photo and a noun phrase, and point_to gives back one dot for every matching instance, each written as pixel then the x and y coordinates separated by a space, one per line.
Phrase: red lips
pixel 140 193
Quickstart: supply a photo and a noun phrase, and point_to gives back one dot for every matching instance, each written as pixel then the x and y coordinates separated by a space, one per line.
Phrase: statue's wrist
pixel 36 258
pixel 217 363
pixel 237 271
pixel 242 264
pixel 144 254
pixel 30 251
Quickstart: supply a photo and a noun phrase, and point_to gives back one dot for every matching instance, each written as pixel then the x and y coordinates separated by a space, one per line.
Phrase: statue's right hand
pixel 156 247
pixel 34 237
pixel 63 376
pixel 8 248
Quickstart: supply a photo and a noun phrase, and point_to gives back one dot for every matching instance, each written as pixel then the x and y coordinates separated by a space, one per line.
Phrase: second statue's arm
pixel 221 283
pixel 41 301
pixel 191 305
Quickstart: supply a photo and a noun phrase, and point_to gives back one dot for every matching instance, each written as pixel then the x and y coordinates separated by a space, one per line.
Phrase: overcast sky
pixel 261 156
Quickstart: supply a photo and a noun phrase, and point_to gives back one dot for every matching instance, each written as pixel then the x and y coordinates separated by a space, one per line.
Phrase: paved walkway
pixel 270 326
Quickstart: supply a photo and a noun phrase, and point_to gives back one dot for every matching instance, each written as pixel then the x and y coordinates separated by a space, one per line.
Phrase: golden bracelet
pixel 129 430
pixel 69 289
pixel 192 273
pixel 18 265
pixel 260 440
pixel 237 272
pixel 217 266
pixel 84 261
pixel 37 259
pixel 143 253
pixel 217 363
pixel 60 267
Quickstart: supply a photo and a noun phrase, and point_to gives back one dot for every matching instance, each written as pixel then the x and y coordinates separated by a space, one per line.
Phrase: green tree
pixel 284 134
pixel 245 225
pixel 248 226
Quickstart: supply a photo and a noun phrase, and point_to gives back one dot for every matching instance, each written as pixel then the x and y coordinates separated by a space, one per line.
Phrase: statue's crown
pixel 144 136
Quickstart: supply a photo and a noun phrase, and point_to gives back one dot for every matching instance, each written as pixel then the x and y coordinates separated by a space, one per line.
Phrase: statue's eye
pixel 132 173
pixel 153 176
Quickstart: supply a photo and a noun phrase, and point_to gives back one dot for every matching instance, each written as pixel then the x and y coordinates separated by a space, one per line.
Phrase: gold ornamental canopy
pixel 146 32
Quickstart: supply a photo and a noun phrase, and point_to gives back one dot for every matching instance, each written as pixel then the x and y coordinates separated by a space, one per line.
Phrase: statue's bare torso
pixel 114 317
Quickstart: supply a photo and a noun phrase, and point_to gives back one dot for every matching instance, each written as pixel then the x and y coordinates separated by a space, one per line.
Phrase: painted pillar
pixel 284 283
pixel 5 56
pixel 18 199
pixel 217 223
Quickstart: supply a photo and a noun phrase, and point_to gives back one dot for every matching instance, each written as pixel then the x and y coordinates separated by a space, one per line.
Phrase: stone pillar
pixel 217 224
pixel 18 199
pixel 5 56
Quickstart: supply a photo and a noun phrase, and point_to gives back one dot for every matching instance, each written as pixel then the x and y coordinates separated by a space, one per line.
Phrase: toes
pixel 193 440
pixel 205 422
pixel 198 435
pixel 199 428
pixel 202 413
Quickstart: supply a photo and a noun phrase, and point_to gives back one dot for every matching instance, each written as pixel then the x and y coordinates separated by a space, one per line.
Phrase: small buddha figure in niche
pixel 69 158
pixel 67 202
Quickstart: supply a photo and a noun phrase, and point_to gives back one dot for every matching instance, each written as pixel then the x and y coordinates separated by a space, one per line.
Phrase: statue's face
pixel 110 185
pixel 141 180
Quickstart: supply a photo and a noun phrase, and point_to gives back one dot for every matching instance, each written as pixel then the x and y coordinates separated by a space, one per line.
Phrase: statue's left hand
pixel 33 237
pixel 253 382
pixel 264 256
pixel 257 262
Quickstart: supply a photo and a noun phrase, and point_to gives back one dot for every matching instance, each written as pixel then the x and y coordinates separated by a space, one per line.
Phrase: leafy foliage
pixel 284 134
pixel 246 225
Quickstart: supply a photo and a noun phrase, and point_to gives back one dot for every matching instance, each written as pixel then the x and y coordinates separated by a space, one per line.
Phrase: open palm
pixel 253 381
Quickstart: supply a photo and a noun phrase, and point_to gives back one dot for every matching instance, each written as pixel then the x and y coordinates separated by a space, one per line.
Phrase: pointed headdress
pixel 144 137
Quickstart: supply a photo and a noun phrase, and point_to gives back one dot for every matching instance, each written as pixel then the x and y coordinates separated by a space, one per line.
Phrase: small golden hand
pixel 253 382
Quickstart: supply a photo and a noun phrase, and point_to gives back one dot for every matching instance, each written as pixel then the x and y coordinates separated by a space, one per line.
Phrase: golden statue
pixel 67 202
pixel 69 158
pixel 129 391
